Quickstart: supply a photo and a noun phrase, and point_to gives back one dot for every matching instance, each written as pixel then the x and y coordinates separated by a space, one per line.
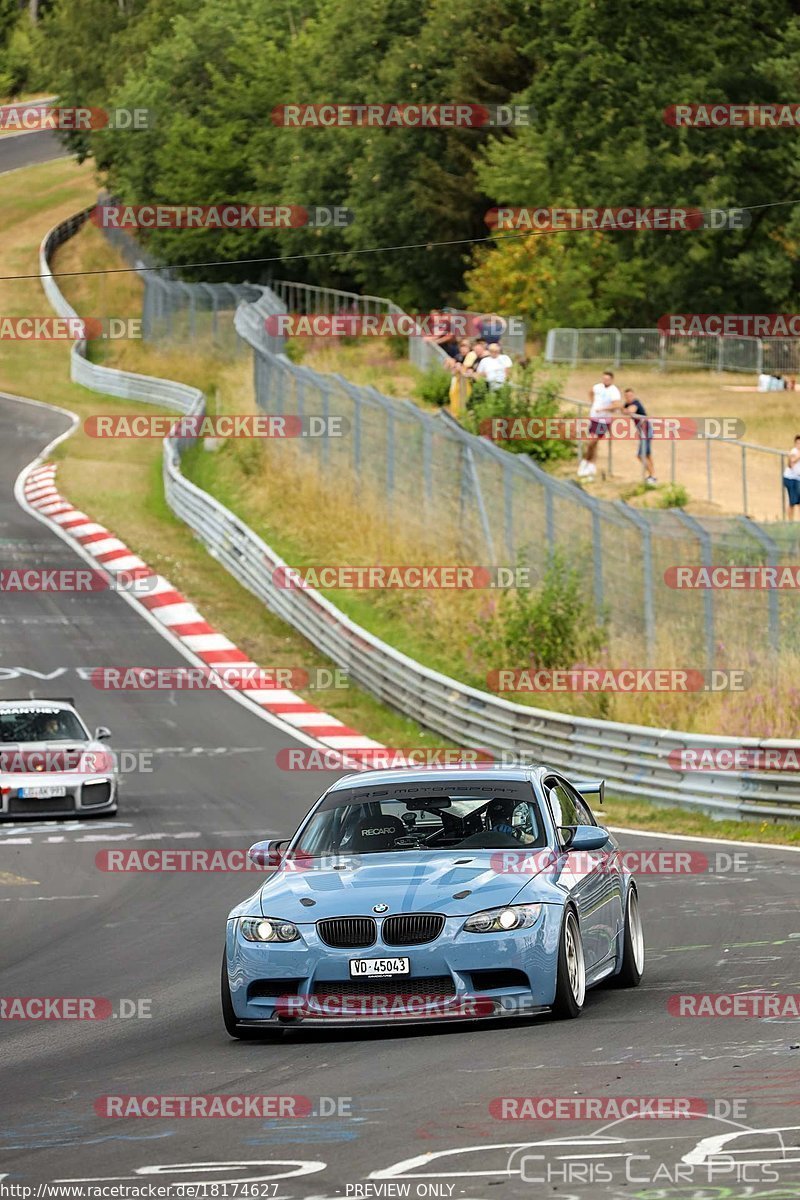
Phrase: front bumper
pixel 457 977
pixel 83 795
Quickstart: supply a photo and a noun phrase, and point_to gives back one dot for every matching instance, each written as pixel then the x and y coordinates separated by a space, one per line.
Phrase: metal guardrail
pixel 635 760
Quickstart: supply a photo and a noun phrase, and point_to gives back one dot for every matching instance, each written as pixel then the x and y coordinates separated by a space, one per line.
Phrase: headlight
pixel 501 920
pixel 268 929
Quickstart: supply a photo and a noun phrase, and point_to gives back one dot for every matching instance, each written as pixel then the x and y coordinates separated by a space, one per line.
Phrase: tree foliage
pixel 599 73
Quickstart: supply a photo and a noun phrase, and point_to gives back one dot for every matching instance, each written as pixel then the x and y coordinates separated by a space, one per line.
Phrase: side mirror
pixel 267 854
pixel 102 734
pixel 588 837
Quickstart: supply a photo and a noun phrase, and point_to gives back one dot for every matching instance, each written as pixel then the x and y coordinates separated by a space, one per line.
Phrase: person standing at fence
pixel 495 367
pixel 644 432
pixel 605 397
pixel 463 374
pixel 791 477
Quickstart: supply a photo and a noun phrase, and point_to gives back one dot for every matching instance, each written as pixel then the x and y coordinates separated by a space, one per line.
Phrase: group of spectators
pixel 469 359
pixel 607 399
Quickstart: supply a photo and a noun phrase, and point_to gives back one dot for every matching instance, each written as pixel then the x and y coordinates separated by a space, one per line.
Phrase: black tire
pixel 633 954
pixel 571 979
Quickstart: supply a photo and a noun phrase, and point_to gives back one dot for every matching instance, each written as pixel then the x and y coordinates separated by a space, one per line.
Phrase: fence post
pixel 597 530
pixel 470 482
pixel 708 468
pixel 744 479
pixel 644 528
pixel 617 347
pixel 704 537
pixel 508 509
pixel 427 457
pixel 772 551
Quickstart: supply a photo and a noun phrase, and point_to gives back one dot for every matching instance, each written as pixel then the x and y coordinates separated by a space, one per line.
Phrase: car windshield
pixel 39 725
pixel 425 817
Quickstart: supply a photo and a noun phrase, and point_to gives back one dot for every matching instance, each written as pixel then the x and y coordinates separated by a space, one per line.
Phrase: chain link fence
pixel 508 510
pixel 748 355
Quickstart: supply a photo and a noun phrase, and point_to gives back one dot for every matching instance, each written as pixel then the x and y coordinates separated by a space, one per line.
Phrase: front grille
pixel 263 989
pixel 95 794
pixel 434 987
pixel 25 805
pixel 348 933
pixel 411 929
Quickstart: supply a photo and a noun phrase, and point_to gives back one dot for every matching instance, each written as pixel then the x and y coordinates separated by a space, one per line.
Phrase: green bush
pixel 434 387
pixel 522 400
pixel 674 495
pixel 553 626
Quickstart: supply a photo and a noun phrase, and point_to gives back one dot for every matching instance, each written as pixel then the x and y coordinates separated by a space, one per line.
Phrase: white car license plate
pixel 42 793
pixel 378 966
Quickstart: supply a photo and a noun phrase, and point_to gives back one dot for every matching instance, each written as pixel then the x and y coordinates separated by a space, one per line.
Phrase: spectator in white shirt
pixel 494 367
pixel 605 398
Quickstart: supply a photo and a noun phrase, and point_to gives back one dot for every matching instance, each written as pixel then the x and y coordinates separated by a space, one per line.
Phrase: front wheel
pixel 571 979
pixel 632 969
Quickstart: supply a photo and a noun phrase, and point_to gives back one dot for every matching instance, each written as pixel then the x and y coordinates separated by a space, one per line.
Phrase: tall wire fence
pixel 508 510
pixel 750 355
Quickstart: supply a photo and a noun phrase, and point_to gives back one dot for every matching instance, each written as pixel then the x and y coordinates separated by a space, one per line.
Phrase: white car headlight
pixel 268 929
pixel 502 920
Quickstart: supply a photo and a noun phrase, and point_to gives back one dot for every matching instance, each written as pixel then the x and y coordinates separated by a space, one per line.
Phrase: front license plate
pixel 378 966
pixel 42 793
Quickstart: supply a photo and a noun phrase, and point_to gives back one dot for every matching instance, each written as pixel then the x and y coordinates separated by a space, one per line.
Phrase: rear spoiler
pixel 592 787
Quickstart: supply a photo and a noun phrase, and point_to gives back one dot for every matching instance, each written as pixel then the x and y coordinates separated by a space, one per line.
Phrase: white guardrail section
pixel 634 759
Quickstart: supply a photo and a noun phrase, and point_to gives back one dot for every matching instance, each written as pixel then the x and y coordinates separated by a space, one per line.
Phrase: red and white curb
pixel 178 616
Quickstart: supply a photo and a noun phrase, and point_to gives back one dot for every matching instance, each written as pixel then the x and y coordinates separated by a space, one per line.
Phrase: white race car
pixel 50 765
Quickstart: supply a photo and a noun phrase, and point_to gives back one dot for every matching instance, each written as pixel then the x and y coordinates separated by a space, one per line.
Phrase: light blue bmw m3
pixel 422 895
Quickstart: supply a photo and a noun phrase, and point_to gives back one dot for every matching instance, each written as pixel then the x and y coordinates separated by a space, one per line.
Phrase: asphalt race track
pixel 70 929
pixel 25 149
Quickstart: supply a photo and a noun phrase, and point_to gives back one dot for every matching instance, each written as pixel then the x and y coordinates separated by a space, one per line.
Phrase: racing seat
pixel 376 833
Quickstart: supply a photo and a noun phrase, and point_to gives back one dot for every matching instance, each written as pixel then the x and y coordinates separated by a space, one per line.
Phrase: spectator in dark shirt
pixel 644 431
